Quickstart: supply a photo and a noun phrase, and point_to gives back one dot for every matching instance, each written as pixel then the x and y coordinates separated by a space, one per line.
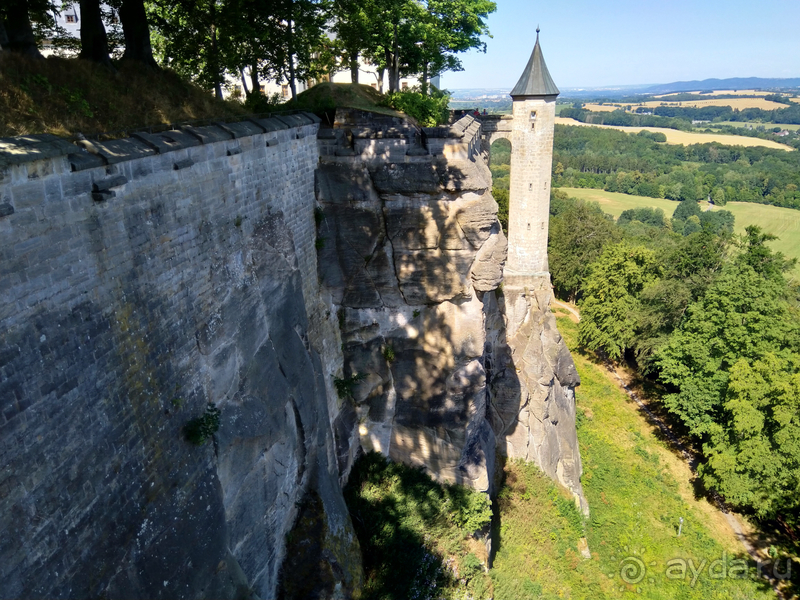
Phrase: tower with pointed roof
pixel 534 112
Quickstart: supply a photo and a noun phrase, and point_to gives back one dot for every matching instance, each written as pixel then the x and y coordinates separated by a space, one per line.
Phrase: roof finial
pixel 537 31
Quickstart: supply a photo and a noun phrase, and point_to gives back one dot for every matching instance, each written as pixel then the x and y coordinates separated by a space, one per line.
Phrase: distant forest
pixel 638 164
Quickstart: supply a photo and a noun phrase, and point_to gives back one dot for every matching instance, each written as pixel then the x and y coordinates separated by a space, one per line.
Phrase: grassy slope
pixel 637 489
pixel 67 96
pixel 346 95
pixel 783 222
pixel 674 136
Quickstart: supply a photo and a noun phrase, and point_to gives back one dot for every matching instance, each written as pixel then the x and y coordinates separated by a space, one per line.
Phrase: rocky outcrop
pixel 407 248
pixel 532 387
pixel 444 371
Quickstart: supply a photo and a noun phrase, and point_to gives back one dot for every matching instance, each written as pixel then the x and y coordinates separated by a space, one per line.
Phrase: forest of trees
pixel 708 316
pixel 639 164
pixel 291 40
pixel 681 117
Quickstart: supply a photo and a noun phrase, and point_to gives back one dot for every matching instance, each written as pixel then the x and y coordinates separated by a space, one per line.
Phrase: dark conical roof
pixel 535 80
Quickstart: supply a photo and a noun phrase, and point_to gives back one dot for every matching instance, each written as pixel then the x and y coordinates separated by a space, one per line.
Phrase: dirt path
pixel 691 460
pixel 576 316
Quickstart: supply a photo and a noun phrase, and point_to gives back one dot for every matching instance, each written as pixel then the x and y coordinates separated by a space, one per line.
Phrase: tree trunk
pixel 3 37
pixel 213 63
pixel 425 78
pixel 137 32
pixel 381 73
pixel 244 82
pixel 290 31
pixel 354 67
pixel 18 31
pixel 395 85
pixel 94 42
pixel 254 83
pixel 390 68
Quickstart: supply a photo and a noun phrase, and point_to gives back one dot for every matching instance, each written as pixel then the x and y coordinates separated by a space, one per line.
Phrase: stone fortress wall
pixel 144 278
pixel 141 279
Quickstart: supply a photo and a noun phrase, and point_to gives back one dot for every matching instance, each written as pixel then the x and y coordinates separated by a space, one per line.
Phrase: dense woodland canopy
pixel 708 316
pixel 292 40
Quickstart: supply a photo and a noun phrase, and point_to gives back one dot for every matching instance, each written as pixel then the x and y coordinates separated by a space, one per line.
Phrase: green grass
pixel 66 96
pixel 415 533
pixel 783 222
pixel 326 97
pixel 637 491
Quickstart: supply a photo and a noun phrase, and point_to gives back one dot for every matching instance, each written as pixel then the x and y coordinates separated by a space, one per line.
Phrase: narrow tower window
pixel 533 119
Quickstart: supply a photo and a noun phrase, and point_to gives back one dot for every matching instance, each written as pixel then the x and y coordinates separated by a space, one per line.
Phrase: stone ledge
pixel 86 154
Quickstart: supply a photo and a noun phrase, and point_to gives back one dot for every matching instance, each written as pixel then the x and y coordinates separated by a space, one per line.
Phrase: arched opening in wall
pixel 500 165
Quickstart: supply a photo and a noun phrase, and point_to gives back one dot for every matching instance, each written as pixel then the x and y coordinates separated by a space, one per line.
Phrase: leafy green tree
pixel 188 38
pixel 16 31
pixel 577 237
pixel 687 208
pixel 753 452
pixel 742 316
pixel 718 222
pixel 611 297
pixel 644 214
pixel 351 24
pixel 688 270
pixel 761 258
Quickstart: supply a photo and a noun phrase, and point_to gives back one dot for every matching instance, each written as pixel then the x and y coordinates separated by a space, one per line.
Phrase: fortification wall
pixel 141 280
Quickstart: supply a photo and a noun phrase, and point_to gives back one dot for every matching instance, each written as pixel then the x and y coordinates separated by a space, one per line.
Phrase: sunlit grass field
pixel 783 222
pixel 638 491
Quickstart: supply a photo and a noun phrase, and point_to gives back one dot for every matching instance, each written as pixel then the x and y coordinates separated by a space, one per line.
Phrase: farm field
pixel 602 107
pixel 675 136
pixel 783 222
pixel 720 93
pixel 740 103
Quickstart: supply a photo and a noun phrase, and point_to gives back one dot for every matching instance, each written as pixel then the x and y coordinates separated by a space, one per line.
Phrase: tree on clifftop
pixel 17 35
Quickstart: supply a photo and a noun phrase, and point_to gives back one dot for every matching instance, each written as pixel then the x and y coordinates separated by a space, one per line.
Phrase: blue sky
pixel 628 42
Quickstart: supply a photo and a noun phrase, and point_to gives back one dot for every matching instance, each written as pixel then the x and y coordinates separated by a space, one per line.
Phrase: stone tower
pixel 534 111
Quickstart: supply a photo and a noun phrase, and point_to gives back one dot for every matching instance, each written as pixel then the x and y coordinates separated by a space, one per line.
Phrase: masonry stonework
pixel 142 281
pixel 529 192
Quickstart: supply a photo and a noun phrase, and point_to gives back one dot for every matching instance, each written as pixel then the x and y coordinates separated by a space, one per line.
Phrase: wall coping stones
pixel 167 141
pixel 85 154
pixel 29 148
pixel 272 124
pixel 241 129
pixel 295 120
pixel 117 151
pixel 80 161
pixel 208 134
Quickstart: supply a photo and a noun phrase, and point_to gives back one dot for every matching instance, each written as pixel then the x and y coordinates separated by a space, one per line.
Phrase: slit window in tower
pixel 530 187
pixel 533 119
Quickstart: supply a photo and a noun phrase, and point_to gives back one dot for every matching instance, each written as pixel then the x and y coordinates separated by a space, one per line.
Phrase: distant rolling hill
pixel 733 83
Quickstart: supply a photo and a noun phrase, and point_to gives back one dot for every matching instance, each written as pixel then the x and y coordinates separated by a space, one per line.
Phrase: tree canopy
pixel 285 40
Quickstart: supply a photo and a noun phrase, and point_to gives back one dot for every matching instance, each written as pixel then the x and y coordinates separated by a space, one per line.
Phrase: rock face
pixel 445 372
pixel 532 387
pixel 407 249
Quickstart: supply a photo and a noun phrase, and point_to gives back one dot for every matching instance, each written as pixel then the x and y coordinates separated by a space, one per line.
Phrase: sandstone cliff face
pixel 407 248
pixel 532 386
pixel 445 371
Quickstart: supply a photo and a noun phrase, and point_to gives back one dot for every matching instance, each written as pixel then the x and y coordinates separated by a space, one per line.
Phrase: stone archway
pixel 493 128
